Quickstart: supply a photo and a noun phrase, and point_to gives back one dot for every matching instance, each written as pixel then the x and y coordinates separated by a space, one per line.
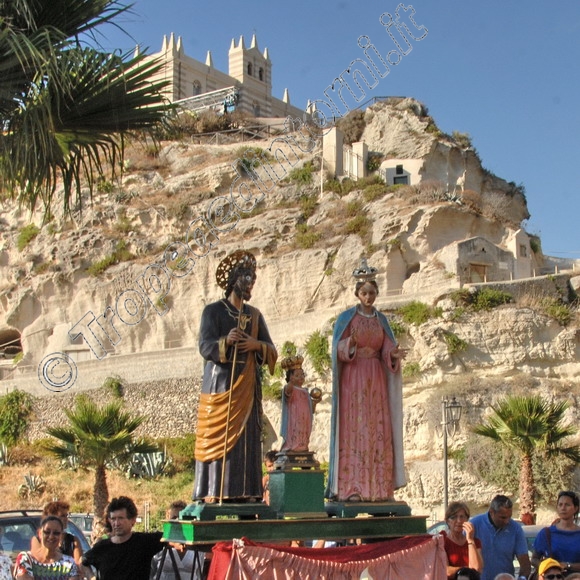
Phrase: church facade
pixel 247 87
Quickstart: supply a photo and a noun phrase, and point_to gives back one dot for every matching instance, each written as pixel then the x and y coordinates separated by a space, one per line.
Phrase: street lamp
pixel 450 415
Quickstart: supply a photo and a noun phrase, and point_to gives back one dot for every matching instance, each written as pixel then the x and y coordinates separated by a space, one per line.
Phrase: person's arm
pixel 22 568
pixel 521 550
pixel 473 547
pixel 525 565
pixel 540 547
pixel 77 551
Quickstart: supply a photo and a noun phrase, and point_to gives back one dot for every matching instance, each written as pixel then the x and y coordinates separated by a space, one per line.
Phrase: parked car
pixel 18 527
pixel 83 522
pixel 437 528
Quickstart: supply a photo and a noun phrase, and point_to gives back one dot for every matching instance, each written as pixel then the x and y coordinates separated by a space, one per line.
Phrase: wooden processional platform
pixel 297 511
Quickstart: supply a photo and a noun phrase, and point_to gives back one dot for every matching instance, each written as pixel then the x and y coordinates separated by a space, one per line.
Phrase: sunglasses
pixel 553 576
pixel 51 533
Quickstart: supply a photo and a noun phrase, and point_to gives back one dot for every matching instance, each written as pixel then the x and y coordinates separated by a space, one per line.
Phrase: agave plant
pixel 148 465
pixel 33 486
pixel 4 455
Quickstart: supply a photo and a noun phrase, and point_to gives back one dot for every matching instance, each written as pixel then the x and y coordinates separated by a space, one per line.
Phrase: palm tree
pixel 96 438
pixel 530 425
pixel 66 106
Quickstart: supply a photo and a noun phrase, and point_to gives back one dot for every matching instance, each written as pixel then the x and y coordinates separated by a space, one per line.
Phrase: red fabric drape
pixel 410 558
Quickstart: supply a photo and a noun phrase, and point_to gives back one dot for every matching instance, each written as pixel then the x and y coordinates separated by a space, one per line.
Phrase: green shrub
pixel 488 298
pixel 317 348
pixel 411 370
pixel 417 312
pixel 558 311
pixel 398 328
pixel 333 185
pixel 26 235
pixel 124 225
pixel 250 157
pixel 461 297
pixel 373 192
pixel 105 186
pixel 454 343
pixel 288 349
pixel 181 450
pixel 462 139
pixel 535 245
pixel 360 225
pixel 114 385
pixel 272 390
pixel 308 205
pixel 15 412
pixel 306 238
pixel 354 208
pixel 302 174
pixel 374 161
pixel 120 254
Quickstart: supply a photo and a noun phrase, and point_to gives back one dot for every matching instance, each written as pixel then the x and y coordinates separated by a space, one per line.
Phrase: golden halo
pixel 238 258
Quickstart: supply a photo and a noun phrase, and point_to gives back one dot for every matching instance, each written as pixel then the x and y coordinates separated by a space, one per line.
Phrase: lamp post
pixel 450 415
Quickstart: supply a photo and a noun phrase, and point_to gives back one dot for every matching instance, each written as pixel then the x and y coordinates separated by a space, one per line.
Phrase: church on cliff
pixel 199 85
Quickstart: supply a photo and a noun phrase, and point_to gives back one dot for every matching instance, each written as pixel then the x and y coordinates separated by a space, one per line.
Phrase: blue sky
pixel 507 73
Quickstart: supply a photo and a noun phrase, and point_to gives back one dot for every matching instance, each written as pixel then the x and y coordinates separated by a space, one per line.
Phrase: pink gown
pixel 365 456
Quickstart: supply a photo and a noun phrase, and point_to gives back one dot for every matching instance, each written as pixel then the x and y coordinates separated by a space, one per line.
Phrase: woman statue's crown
pixel 364 272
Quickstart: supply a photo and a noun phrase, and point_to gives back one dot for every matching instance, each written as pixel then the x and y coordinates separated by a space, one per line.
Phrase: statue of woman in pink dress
pixel 366 444
pixel 297 407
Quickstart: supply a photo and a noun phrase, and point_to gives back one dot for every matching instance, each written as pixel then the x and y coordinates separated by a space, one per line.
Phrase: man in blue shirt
pixel 502 540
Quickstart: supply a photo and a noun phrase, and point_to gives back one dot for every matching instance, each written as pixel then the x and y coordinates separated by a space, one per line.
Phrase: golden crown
pixel 291 363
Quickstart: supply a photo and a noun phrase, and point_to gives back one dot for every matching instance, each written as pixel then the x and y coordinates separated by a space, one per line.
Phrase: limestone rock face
pixel 139 316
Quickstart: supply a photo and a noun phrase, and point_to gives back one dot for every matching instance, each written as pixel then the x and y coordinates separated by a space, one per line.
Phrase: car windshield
pixel 17 531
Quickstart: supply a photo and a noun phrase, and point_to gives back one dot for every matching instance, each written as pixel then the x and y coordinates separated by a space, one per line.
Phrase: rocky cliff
pixel 104 263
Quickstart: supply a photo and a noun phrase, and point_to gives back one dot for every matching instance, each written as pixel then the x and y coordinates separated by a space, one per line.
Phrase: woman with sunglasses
pixel 69 543
pixel 561 540
pixel 48 561
pixel 463 549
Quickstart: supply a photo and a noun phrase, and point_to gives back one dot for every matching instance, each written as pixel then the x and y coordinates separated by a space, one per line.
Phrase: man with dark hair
pixel 502 540
pixel 125 554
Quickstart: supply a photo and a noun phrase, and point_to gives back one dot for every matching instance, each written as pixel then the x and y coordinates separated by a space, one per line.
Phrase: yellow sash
pixel 213 410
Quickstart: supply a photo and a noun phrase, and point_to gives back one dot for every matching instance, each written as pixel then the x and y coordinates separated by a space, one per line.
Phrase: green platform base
pixel 199 533
pixel 238 511
pixel 343 509
pixel 297 493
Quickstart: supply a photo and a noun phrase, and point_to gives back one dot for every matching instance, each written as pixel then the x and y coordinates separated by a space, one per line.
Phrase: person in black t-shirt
pixel 125 554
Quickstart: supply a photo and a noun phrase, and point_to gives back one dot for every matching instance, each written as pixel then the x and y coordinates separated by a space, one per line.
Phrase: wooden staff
pixel 232 379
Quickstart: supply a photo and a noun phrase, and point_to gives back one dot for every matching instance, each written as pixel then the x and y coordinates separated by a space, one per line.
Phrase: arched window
pixel 250 69
pixel 196 88
pixel 256 108
pixel 261 74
